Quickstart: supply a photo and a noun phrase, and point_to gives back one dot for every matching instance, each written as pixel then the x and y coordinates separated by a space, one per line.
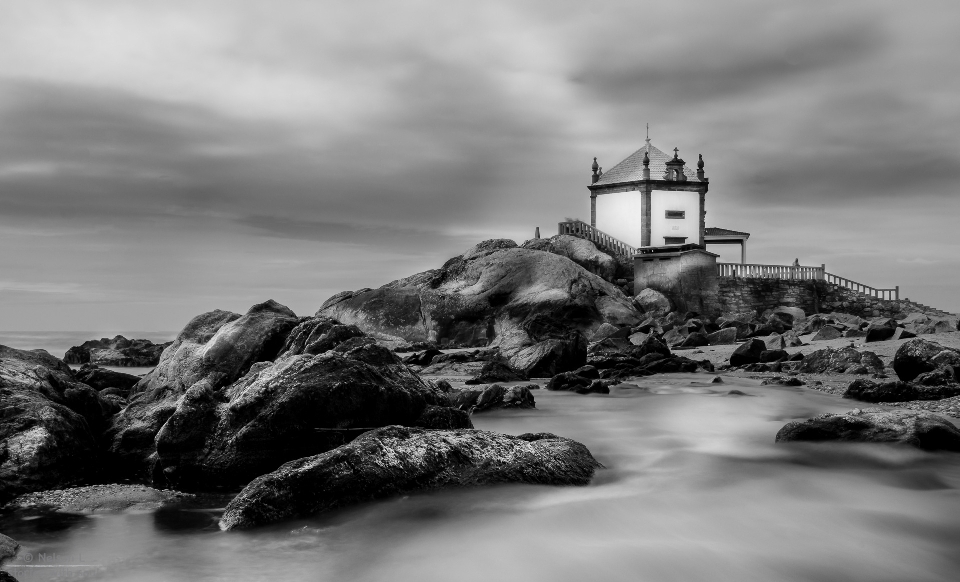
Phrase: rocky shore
pixel 385 382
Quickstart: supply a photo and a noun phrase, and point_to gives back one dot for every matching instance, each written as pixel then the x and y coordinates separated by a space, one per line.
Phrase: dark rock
pixel 443 418
pixel 8 548
pixel 424 358
pixel 919 429
pixel 781 381
pixel 118 351
pixel 942 376
pixel 902 334
pixel 748 353
pixel 706 365
pixel 587 372
pixel 50 424
pixel 855 333
pixel 493 397
pixel 774 341
pixel 695 340
pixel 568 381
pixel 298 406
pixel 100 378
pixel 840 360
pixel 767 356
pixel 918 355
pixel 789 315
pixel 495 371
pixel 317 335
pixel 548 356
pixel 487 296
pixel 717 380
pixel 796 357
pixel 595 387
pixel 396 460
pixel 898 391
pixel 737 393
pixel 879 333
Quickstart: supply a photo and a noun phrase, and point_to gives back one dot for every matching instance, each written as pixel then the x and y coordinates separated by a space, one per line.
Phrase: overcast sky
pixel 161 159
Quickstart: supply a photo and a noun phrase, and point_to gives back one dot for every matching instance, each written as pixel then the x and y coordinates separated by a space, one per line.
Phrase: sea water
pixel 693 488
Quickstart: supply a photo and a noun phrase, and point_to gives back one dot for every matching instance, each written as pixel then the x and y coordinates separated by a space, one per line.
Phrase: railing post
pixel 897 291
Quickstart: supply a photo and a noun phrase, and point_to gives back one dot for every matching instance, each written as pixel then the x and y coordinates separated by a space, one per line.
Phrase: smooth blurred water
pixel 694 489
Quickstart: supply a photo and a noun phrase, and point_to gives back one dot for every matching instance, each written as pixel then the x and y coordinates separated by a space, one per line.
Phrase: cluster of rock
pixel 925 370
pixel 119 351
pixel 234 397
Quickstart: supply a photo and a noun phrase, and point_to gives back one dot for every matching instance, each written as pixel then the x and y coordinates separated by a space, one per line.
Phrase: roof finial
pixel 700 168
pixel 648 136
pixel 676 153
pixel 596 175
pixel 646 159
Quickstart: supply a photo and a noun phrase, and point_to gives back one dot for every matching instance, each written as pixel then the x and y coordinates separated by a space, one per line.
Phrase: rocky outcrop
pixel 8 548
pixel 916 356
pixel 653 302
pixel 118 351
pixel 50 423
pixel 495 371
pixel 512 298
pixel 920 429
pixel 283 411
pixel 580 251
pixel 898 391
pixel 747 353
pixel 213 350
pixel 846 360
pixel 395 460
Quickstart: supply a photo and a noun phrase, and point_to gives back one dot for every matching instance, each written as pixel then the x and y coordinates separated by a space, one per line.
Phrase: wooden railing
pixel 597 237
pixel 769 271
pixel 887 294
pixel 801 272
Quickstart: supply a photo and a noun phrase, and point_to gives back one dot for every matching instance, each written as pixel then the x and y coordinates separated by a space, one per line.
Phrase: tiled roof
pixel 631 169
pixel 714 231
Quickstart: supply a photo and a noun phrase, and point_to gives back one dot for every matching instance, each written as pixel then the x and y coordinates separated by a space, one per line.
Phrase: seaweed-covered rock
pixel 395 460
pixel 920 429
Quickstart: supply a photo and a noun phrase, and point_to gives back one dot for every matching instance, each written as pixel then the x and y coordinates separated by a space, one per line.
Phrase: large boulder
pixel 395 460
pixel 915 428
pixel 789 315
pixel 50 424
pixel 212 351
pixel 283 411
pixel 511 298
pixel 898 391
pixel 845 360
pixel 653 302
pixel 580 251
pixel 747 353
pixel 8 548
pixel 722 337
pixel 918 355
pixel 118 351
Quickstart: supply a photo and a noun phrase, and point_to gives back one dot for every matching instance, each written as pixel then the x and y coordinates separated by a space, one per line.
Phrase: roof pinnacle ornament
pixel 595 167
pixel 700 168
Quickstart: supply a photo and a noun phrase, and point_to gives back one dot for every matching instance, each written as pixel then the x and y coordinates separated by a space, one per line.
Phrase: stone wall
pixel 754 294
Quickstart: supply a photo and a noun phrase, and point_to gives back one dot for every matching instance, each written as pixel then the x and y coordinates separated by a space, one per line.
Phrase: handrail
pixel 799 272
pixel 583 230
pixel 769 271
pixel 892 294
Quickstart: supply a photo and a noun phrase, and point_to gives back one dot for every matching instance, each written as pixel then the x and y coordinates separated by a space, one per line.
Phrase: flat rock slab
pixel 395 460
pixel 915 428
pixel 94 498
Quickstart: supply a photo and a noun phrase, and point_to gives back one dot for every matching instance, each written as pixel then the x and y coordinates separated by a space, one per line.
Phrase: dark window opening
pixel 676 214
pixel 674 240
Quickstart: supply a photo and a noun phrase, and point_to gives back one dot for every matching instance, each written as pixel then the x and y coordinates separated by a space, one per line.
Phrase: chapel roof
pixel 631 169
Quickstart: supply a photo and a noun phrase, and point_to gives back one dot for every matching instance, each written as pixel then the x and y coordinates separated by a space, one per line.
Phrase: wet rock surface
pixel 395 460
pixel 95 498
pixel 118 351
pixel 920 429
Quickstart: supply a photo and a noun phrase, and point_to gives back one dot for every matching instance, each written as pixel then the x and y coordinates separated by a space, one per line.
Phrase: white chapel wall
pixel 620 215
pixel 660 226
